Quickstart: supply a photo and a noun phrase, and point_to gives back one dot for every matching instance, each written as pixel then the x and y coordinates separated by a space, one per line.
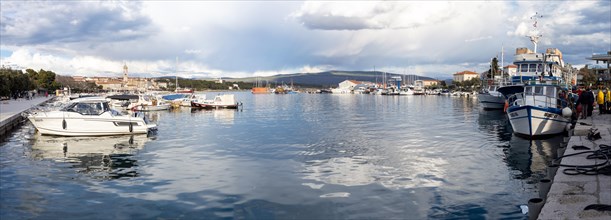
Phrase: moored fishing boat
pixel 536 104
pixel 538 111
pixel 490 98
pixel 89 117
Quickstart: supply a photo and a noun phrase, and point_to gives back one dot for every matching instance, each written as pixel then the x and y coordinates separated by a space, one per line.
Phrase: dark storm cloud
pixel 336 22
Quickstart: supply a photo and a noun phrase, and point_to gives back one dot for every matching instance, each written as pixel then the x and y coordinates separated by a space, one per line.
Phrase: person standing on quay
pixel 586 99
pixel 600 100
pixel 608 101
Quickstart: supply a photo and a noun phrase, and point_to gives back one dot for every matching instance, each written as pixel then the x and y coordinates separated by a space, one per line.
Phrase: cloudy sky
pixel 246 38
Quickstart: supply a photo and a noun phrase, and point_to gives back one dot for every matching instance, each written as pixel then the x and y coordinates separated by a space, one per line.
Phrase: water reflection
pixel 102 157
pixel 531 157
pixel 496 124
pixel 223 116
pixel 291 156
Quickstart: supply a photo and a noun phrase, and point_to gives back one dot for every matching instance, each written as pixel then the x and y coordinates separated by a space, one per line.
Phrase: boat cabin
pixel 89 107
pixel 541 96
pixel 538 67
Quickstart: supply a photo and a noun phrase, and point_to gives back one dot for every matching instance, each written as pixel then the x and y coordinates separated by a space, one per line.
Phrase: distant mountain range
pixel 326 79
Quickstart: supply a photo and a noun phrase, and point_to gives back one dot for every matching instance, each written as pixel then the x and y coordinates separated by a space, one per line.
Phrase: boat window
pixel 105 106
pixel 550 91
pixel 539 68
pixel 68 107
pixel 88 108
pixel 528 90
pixel 524 68
pixel 538 90
pixel 533 67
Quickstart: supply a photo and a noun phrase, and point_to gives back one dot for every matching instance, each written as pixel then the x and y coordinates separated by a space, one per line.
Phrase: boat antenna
pixel 534 37
pixel 176 74
pixel 503 64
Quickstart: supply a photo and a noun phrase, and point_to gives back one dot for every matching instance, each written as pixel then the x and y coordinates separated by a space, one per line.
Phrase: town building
pixel 510 70
pixel 602 72
pixel 430 82
pixel 348 86
pixel 465 76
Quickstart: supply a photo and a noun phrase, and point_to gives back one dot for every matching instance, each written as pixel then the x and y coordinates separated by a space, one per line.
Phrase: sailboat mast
pixel 374 73
pixel 176 74
pixel 503 64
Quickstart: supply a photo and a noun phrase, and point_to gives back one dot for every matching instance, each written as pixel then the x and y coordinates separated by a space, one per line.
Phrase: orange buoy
pixel 506 106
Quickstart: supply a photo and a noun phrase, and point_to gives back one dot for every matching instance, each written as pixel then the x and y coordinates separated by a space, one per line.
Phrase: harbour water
pixel 299 156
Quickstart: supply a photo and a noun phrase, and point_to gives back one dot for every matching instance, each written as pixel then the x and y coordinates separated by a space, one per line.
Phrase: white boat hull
pixel 74 124
pixel 144 108
pixel 534 121
pixel 488 101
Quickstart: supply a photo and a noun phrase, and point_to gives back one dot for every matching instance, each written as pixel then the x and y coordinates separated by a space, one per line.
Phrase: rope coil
pixel 594 169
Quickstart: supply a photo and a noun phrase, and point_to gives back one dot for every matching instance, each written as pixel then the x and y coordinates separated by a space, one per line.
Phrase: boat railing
pixel 521 99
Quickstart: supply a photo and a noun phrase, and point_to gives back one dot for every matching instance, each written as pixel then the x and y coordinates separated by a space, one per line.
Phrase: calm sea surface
pixel 301 156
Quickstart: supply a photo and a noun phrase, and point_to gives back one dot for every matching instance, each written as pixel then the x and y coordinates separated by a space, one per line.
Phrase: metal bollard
pixel 544 186
pixel 551 171
pixel 534 208
pixel 560 151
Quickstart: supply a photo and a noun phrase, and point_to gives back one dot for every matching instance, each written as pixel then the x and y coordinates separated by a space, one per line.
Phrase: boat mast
pixel 176 74
pixel 534 37
pixel 374 73
pixel 503 65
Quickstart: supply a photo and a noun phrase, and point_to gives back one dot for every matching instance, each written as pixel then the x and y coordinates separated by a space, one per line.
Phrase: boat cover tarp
pixel 122 97
pixel 175 96
pixel 510 90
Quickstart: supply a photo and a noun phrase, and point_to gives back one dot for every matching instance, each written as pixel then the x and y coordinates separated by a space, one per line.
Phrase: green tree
pixel 494 69
pixel 5 82
pixel 46 80
pixel 14 82
pixel 588 77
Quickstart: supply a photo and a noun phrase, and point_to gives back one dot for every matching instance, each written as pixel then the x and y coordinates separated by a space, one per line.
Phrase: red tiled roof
pixel 466 72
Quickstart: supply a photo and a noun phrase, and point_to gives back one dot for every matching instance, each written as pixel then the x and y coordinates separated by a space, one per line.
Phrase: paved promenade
pixel 571 194
pixel 10 111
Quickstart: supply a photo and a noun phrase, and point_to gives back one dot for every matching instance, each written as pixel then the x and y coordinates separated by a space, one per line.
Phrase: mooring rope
pixel 604 168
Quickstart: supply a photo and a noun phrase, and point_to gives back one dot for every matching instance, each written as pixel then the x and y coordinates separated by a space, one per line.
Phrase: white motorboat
pixel 538 111
pixel 219 102
pixel 122 102
pixel 186 102
pixel 419 87
pixel 149 103
pixel 406 91
pixel 89 117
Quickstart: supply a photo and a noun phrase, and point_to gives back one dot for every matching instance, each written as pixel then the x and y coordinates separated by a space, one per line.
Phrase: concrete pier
pixel 10 112
pixel 571 194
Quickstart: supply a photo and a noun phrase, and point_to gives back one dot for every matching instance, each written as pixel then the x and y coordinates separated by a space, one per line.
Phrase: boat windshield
pixel 87 108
